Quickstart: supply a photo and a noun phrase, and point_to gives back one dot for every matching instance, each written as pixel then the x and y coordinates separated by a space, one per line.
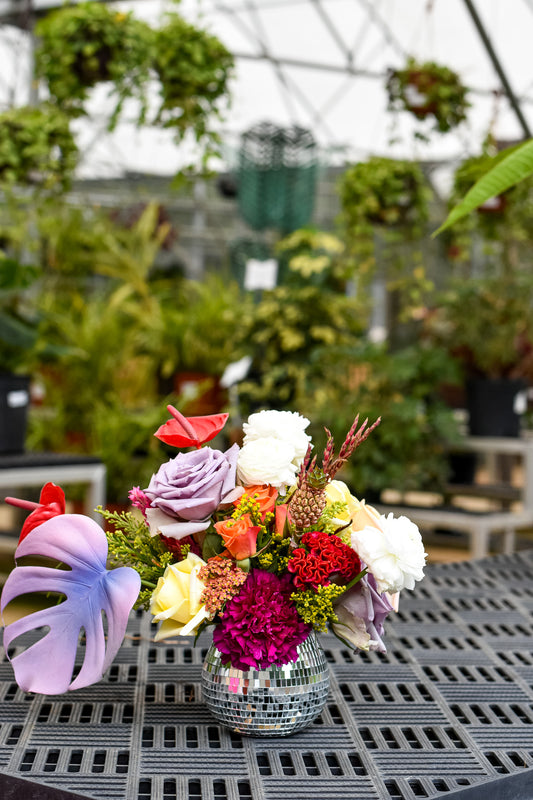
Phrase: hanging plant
pixel 384 191
pixel 427 89
pixel 384 210
pixel 502 220
pixel 90 43
pixel 194 69
pixel 36 147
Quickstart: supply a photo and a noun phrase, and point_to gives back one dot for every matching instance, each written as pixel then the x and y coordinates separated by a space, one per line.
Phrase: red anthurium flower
pixel 183 431
pixel 51 504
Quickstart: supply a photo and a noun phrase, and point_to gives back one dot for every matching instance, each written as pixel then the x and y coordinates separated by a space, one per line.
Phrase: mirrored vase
pixel 276 701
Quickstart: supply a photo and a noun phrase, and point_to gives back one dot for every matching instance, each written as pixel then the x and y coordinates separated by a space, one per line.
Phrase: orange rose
pixel 263 494
pixel 239 535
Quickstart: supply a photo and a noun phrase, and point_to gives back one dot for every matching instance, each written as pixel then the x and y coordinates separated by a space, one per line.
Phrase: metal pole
pixel 498 67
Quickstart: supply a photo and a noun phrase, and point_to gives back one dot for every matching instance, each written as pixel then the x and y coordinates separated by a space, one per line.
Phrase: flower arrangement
pixel 260 541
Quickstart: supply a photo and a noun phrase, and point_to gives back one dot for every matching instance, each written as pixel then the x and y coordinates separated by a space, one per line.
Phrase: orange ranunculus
pixel 239 535
pixel 263 494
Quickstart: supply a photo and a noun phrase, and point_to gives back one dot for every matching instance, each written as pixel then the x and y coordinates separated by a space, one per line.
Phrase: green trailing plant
pixel 37 148
pixel 384 191
pixel 89 43
pixel 427 89
pixel 384 212
pixel 194 69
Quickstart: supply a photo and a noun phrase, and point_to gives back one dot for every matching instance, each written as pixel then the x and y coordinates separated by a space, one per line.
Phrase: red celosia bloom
pixel 51 504
pixel 322 560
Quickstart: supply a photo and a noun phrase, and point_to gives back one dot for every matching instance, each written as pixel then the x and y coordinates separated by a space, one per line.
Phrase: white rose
pixel 288 426
pixel 394 554
pixel 267 460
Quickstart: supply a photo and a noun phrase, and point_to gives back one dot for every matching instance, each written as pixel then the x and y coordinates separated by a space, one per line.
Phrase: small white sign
pixel 260 274
pixel 18 398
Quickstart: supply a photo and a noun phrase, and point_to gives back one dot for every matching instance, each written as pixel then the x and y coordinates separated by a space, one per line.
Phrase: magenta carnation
pixel 260 625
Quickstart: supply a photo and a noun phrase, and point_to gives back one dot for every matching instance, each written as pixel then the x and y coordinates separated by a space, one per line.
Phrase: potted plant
pixel 201 325
pixel 410 450
pixel 315 257
pixel 88 43
pixel 19 326
pixel 427 89
pixel 194 69
pixel 37 147
pixel 289 334
pixel 486 323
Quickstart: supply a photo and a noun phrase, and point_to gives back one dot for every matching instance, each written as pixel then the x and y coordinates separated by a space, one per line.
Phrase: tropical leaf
pixel 90 590
pixel 516 165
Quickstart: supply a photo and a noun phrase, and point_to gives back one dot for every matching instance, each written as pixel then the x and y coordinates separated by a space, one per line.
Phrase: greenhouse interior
pixel 266 326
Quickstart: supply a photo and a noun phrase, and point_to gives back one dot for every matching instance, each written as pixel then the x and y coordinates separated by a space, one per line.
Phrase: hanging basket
pixel 277 177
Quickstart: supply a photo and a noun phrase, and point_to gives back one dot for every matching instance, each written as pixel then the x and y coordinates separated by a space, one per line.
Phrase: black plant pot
pixel 490 404
pixel 14 403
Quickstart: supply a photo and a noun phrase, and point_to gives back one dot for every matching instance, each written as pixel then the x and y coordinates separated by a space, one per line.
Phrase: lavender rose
pixel 186 490
pixel 361 613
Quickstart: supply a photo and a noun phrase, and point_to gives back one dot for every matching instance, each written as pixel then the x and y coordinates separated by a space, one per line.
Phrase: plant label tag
pixel 18 398
pixel 260 274
pixel 236 372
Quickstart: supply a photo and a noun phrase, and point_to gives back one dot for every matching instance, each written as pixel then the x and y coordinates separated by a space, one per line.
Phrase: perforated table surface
pixel 448 711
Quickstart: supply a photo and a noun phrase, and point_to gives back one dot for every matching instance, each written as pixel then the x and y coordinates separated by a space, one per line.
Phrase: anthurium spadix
pixel 90 591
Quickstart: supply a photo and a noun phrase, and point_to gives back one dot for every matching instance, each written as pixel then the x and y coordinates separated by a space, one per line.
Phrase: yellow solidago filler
pixel 316 608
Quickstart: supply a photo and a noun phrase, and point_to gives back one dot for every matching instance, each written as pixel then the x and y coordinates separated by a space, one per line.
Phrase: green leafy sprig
pixel 130 545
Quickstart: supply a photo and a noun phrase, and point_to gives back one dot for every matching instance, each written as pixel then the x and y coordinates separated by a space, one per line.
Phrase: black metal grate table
pixel 447 712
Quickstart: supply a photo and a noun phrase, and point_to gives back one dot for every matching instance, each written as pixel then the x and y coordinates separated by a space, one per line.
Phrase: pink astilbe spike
pixel 355 436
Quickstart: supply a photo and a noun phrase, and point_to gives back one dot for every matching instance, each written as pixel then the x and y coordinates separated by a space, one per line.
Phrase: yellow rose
pixel 358 512
pixel 176 599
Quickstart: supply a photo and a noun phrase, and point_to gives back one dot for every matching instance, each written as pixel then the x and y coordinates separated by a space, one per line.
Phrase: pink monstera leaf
pixel 90 590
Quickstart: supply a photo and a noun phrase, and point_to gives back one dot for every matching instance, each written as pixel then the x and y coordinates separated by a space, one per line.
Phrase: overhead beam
pixel 498 67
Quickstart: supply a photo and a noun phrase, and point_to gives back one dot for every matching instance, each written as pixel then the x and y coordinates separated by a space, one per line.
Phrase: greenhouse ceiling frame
pixel 23 13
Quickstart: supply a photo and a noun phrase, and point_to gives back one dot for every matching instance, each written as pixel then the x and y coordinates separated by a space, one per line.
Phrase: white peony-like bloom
pixel 287 426
pixel 394 553
pixel 267 460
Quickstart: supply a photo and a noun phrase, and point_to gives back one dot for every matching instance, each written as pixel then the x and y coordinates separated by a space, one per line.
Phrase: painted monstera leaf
pixel 90 591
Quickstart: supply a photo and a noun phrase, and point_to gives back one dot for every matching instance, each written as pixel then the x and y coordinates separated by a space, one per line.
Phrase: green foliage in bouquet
pixel 37 148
